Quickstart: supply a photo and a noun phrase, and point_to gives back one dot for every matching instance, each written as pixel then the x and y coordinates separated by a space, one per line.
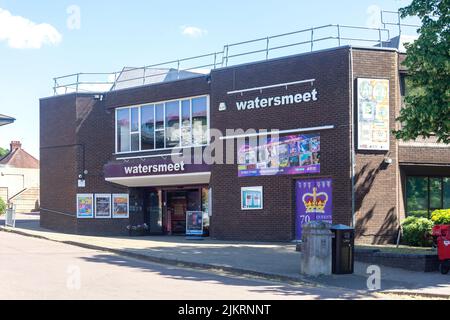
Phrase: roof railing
pixel 307 40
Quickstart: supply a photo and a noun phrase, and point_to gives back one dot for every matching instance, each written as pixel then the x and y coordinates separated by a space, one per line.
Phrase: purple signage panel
pixel 150 167
pixel 314 199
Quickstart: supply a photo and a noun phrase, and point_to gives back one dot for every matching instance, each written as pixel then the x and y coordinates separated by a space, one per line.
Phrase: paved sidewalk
pixel 270 260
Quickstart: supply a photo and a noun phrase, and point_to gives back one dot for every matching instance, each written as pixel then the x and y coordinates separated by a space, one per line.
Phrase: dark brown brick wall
pixel 425 155
pixel 77 134
pixel 376 183
pixel 158 92
pixel 73 125
pixel 277 220
pixel 58 166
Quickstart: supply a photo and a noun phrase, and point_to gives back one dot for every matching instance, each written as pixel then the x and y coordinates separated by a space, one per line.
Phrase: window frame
pixel 429 178
pixel 139 106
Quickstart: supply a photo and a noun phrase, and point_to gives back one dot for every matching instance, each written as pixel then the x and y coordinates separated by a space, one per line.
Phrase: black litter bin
pixel 343 247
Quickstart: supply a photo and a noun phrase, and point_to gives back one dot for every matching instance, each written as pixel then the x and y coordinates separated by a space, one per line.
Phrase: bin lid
pixel 341 227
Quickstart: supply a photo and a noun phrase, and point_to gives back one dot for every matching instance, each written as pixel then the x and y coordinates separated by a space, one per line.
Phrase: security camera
pixel 388 160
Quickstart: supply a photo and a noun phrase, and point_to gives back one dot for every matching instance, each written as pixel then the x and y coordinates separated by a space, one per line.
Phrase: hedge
pixel 2 207
pixel 441 216
pixel 417 232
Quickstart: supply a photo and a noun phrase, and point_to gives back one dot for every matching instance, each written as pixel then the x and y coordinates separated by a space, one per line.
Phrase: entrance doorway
pixel 177 203
pixel 166 209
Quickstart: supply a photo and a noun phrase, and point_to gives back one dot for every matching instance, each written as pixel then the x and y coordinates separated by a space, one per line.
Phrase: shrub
pixel 417 232
pixel 2 207
pixel 418 213
pixel 441 216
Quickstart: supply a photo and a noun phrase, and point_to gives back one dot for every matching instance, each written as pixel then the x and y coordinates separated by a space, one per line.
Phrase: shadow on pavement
pixel 257 286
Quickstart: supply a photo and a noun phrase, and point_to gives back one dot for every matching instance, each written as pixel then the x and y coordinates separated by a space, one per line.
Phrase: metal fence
pixel 306 40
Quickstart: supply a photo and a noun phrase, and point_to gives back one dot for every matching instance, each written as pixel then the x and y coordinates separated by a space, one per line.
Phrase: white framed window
pixel 163 125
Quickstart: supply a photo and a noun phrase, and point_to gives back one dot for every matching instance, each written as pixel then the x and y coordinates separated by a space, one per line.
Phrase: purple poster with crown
pixel 314 202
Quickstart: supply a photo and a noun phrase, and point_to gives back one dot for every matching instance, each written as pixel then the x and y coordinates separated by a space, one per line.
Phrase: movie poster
pixel 252 198
pixel 85 206
pixel 102 206
pixel 194 223
pixel 314 199
pixel 298 154
pixel 373 114
pixel 120 206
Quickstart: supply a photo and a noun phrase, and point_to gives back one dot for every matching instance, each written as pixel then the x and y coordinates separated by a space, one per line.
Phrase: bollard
pixel 316 249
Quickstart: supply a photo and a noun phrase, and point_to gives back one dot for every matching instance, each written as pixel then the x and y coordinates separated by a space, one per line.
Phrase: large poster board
pixel 314 199
pixel 121 206
pixel 85 206
pixel 102 206
pixel 373 114
pixel 295 154
pixel 194 223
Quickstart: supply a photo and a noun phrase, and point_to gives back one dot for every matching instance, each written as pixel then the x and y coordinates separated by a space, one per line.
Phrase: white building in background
pixel 19 179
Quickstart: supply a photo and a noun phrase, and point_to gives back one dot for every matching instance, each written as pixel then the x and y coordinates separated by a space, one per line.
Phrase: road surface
pixel 33 268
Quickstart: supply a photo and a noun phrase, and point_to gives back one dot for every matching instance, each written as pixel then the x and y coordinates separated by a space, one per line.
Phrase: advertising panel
pixel 121 206
pixel 314 202
pixel 252 198
pixel 295 154
pixel 103 206
pixel 194 223
pixel 373 114
pixel 85 206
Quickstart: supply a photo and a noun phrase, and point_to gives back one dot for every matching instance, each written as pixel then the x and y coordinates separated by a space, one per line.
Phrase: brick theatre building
pixel 305 136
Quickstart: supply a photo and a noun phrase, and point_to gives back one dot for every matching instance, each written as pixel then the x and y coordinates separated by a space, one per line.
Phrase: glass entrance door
pixel 177 203
pixel 166 209
pixel 154 211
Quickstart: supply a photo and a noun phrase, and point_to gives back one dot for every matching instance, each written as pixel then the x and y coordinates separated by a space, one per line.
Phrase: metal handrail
pixel 398 24
pixel 221 58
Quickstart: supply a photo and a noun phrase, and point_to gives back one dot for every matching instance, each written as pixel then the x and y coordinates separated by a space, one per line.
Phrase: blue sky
pixel 117 33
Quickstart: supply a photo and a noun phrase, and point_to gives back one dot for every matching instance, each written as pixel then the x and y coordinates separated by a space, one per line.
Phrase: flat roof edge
pixel 124 89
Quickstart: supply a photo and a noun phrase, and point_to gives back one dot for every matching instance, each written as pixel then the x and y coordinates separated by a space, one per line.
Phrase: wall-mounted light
pixel 388 160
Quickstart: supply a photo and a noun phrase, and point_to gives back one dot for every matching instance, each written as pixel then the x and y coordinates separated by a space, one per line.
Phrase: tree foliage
pixel 427 107
pixel 3 152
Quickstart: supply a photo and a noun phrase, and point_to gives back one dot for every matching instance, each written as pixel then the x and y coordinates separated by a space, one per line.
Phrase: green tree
pixel 3 152
pixel 427 110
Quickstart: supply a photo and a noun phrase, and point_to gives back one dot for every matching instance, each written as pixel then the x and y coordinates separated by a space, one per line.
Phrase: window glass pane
pixel 172 124
pixel 446 186
pixel 186 131
pixel 123 130
pixel 135 142
pixel 205 208
pixel 186 113
pixel 417 196
pixel 186 136
pixel 435 193
pixel 154 211
pixel 199 120
pixel 147 127
pixel 160 139
pixel 134 119
pixel 159 116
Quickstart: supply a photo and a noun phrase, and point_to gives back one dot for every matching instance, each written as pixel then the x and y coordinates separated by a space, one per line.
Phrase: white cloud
pixel 373 16
pixel 193 32
pixel 21 33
